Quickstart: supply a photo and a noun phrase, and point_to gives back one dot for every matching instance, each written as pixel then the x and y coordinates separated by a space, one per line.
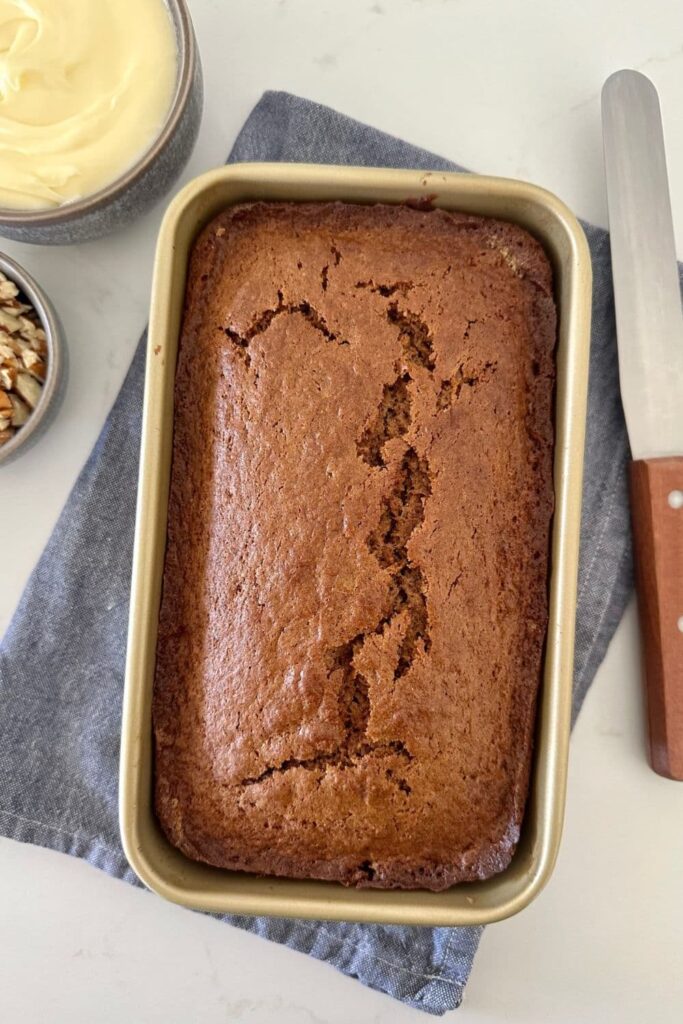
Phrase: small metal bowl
pixel 138 188
pixel 56 363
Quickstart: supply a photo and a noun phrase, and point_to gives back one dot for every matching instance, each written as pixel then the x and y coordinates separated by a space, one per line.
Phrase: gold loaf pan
pixel 159 865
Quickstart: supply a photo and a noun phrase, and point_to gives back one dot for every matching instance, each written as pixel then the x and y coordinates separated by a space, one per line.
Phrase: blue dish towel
pixel 62 659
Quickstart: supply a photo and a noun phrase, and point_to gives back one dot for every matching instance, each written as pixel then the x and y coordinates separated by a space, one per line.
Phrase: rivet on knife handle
pixel 657 513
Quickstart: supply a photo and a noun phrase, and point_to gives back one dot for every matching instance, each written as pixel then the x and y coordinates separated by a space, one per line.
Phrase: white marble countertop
pixel 506 88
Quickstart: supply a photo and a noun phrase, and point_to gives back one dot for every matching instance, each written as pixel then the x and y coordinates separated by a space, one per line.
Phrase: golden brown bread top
pixel 355 597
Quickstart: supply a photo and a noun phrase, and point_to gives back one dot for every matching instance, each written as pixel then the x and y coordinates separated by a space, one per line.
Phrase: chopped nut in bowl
pixel 32 360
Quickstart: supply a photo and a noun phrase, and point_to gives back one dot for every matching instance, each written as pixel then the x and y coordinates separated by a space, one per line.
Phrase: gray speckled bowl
pixel 56 364
pixel 141 185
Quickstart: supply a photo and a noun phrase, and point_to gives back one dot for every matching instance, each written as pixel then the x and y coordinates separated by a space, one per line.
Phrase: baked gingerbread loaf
pixel 355 594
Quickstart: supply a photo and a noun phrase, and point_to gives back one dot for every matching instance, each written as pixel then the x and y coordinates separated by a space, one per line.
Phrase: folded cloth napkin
pixel 62 659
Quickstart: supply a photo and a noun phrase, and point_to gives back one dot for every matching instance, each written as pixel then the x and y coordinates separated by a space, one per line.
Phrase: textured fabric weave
pixel 61 682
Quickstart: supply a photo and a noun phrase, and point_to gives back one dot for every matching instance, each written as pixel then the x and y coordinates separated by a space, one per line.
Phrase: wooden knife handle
pixel 657 514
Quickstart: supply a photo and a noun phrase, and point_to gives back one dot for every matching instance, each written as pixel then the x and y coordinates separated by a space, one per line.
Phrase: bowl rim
pixel 186 47
pixel 55 352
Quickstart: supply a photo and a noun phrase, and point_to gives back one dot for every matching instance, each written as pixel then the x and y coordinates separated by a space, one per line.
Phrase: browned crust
pixel 355 589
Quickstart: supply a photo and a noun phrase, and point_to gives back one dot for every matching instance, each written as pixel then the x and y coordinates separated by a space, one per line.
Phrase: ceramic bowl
pixel 56 363
pixel 129 195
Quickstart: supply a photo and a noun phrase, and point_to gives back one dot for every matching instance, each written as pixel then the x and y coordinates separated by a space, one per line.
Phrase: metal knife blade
pixel 646 285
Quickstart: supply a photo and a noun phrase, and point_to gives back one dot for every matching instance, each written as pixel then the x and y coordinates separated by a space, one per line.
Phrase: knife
pixel 650 342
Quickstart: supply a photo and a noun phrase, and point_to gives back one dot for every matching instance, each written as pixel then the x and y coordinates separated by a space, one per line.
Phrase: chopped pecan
pixel 23 351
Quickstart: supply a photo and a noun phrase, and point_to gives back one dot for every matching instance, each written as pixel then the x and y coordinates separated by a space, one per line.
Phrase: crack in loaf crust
pixel 355 588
